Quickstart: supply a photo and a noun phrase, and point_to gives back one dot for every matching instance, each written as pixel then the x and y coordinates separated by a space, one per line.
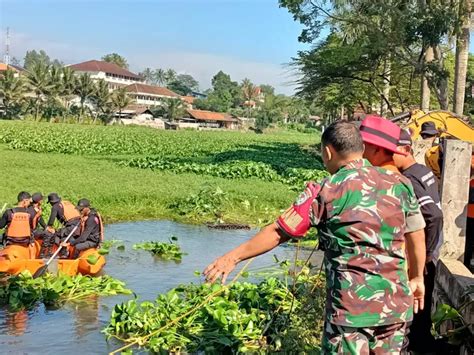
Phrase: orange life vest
pixel 37 216
pixel 19 226
pixel 70 211
pixel 101 225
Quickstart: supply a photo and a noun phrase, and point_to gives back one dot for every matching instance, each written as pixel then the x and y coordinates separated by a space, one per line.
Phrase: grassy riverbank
pixel 33 157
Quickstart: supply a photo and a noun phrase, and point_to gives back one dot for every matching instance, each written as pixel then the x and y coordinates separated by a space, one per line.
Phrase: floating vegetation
pixel 242 317
pixel 23 292
pixel 165 250
pixel 106 245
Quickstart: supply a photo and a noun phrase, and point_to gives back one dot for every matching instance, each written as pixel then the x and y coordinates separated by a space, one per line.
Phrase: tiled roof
pixel 150 89
pixel 4 67
pixel 111 68
pixel 188 99
pixel 210 116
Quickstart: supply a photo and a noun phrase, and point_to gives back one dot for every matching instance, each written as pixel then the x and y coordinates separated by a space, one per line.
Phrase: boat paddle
pixel 43 268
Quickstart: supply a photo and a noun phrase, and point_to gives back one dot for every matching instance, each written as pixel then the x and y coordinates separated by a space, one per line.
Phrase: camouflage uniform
pixel 362 213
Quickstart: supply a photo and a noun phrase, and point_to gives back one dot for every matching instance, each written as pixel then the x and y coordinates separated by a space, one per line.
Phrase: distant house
pixel 209 119
pixel 149 95
pixel 114 75
pixel 16 69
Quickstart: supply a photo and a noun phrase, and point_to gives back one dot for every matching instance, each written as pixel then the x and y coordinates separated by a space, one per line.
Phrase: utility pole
pixel 6 57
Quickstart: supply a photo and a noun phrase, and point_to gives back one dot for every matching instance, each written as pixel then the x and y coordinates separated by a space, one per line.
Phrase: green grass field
pixel 88 161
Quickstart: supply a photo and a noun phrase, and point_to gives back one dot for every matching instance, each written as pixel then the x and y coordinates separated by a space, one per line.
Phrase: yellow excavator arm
pixel 448 124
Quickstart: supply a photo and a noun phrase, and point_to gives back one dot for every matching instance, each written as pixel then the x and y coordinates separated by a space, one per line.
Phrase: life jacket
pixel 19 226
pixel 37 216
pixel 70 211
pixel 101 225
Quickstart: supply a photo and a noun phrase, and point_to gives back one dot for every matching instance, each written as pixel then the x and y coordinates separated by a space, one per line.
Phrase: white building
pixel 149 95
pixel 113 74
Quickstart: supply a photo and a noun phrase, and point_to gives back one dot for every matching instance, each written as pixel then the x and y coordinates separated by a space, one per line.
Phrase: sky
pixel 244 38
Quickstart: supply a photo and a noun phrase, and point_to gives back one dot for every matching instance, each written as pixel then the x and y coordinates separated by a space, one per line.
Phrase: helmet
pixel 53 197
pixel 83 203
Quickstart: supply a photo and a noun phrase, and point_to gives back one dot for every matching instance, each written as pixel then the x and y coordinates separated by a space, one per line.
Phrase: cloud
pixel 203 66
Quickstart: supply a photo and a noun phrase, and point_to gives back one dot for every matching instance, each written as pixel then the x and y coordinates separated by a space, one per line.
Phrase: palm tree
pixel 173 109
pixel 160 77
pixel 85 88
pixel 462 56
pixel 250 93
pixel 102 100
pixel 148 75
pixel 120 100
pixel 170 75
pixel 68 85
pixel 40 82
pixel 12 89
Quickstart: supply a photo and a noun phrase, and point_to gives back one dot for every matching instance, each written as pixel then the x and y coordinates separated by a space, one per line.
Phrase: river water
pixel 76 328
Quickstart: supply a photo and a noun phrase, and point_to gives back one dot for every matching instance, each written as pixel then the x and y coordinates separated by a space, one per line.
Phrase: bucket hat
pixel 381 132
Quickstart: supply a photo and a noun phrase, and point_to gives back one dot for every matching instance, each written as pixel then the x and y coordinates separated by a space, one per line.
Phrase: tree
pixel 170 75
pixel 68 86
pixel 33 57
pixel 171 109
pixel 120 100
pixel 188 81
pixel 250 94
pixel 102 100
pixel 116 59
pixel 184 84
pixel 148 75
pixel 403 30
pixel 39 81
pixel 12 91
pixel 462 55
pixel 159 77
pixel 179 88
pixel 267 89
pixel 225 94
pixel 85 89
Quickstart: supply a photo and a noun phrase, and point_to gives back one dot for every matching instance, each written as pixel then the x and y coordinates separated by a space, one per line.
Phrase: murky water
pixel 76 328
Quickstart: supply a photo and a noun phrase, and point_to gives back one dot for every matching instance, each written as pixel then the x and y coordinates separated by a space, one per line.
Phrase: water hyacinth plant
pixel 271 316
pixel 165 250
pixel 23 292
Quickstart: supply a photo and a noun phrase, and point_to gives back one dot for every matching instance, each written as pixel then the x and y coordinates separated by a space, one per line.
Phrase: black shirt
pixel 91 229
pixel 426 189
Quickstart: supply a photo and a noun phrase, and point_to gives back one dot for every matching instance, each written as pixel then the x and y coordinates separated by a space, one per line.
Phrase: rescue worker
pixel 364 216
pixel 36 212
pixel 67 214
pixel 92 229
pixel 18 222
pixel 429 132
pixel 426 190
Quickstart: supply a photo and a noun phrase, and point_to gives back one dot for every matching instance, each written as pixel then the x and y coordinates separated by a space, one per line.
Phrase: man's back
pixel 363 214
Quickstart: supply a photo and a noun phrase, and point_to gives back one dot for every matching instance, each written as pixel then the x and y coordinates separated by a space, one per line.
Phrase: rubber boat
pixel 17 258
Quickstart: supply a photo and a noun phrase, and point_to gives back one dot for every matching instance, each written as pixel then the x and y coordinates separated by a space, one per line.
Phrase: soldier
pixel 364 216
